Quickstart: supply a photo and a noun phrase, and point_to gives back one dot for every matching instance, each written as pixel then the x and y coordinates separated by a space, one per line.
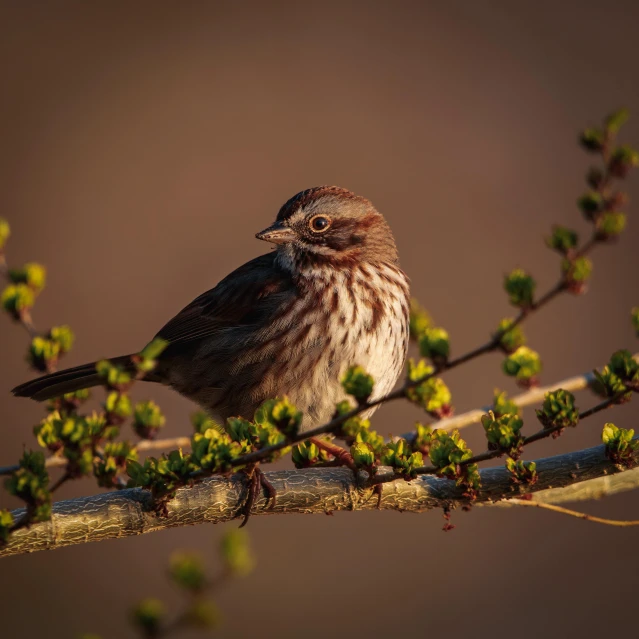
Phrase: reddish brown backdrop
pixel 142 146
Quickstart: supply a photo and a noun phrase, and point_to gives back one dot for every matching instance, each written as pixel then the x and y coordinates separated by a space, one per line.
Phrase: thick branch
pixel 217 499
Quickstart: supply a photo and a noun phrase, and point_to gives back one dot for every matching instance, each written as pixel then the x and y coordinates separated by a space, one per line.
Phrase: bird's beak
pixel 276 234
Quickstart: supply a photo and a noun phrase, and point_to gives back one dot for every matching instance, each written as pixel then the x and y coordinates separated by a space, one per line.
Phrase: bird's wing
pixel 247 296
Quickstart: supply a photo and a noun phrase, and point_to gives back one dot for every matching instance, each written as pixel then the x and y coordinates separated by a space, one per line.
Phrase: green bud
pixel 502 405
pixel 32 274
pixel 47 431
pixel 148 615
pixel 448 451
pixel 202 613
pixel 432 395
pixel 63 336
pixel 281 414
pixel 307 454
pixel 423 438
pixel 114 377
pixel 576 274
pixel 503 433
pixel 620 446
pixel 419 319
pixel 30 484
pixel 201 422
pixel 146 359
pixel 16 299
pixel 592 139
pixel 562 239
pixel 43 353
pixel 6 521
pixel 615 120
pixel 522 472
pixel 236 552
pixel 510 339
pixel 113 462
pixel 147 419
pixel 214 451
pixel 400 456
pixel 558 410
pixel 625 367
pixel 524 365
pixel 118 406
pixel 635 319
pixel 5 232
pixel 434 344
pixel 358 383
pixel 590 204
pixel 622 160
pixel 187 571
pixel 520 288
pixel 611 224
pixel 363 455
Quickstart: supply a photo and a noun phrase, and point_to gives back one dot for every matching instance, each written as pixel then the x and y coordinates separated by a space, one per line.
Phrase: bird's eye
pixel 319 223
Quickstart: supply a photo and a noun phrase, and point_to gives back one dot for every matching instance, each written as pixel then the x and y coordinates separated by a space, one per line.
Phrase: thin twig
pixel 574 513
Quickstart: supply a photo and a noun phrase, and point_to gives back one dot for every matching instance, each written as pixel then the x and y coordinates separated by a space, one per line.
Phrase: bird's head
pixel 331 225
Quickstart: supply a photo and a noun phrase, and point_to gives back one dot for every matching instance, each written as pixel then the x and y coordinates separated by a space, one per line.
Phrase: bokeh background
pixel 142 146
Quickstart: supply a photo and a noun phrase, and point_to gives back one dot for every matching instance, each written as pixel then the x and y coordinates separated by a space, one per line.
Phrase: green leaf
pixel 622 160
pixel 616 120
pixel 148 615
pixel 520 288
pixel 502 405
pixel 30 484
pixel 635 319
pixel 524 364
pixel 32 274
pixel 591 204
pixel 621 447
pixel 148 419
pixel 186 569
pixel 611 224
pixel 592 139
pixel 510 337
pixel 236 552
pixel 16 299
pixel 522 472
pixel 419 319
pixel 432 395
pixel 434 344
pixel 280 414
pixel 400 456
pixel 363 455
pixel 358 383
pixel 6 523
pixel 5 232
pixel 562 239
pixel 503 433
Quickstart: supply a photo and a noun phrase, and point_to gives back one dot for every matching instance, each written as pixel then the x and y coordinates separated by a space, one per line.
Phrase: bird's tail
pixel 66 381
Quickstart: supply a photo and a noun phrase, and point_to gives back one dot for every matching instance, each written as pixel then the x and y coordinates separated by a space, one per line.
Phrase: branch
pixel 219 499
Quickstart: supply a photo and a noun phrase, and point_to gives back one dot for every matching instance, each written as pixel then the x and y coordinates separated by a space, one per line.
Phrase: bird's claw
pixel 257 481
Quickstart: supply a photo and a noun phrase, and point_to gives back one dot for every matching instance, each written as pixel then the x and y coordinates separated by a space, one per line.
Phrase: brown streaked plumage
pixel 289 322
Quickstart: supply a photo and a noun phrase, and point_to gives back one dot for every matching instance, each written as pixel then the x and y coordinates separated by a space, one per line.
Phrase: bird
pixel 287 323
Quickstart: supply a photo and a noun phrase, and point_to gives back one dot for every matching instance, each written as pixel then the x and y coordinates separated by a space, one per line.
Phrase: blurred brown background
pixel 143 145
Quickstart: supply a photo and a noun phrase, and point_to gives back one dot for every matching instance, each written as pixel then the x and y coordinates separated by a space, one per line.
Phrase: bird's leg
pixel 256 481
pixel 341 454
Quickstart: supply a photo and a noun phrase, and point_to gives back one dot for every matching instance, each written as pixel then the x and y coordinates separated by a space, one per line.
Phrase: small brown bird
pixel 286 323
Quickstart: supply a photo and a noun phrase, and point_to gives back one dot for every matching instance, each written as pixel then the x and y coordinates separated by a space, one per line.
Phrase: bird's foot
pixel 257 481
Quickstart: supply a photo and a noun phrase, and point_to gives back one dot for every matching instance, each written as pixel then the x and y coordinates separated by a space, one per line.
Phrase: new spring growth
pixel 432 395
pixel 17 299
pixel 635 319
pixel 524 365
pixel 358 383
pixel 622 160
pixel 558 410
pixel 562 240
pixel 448 451
pixel 201 422
pixel 358 428
pixel 33 275
pixel 6 524
pixel 214 450
pixel 423 437
pixel 5 233
pixel 146 360
pixel 162 476
pixel 202 614
pixel 186 570
pixel 510 338
pixel 148 616
pixel 44 351
pixel 520 288
pixel 402 459
pixel 521 472
pixel 620 446
pixel 420 320
pixel 620 374
pixel 281 414
pixel 30 484
pixel 435 344
pixel 236 553
pixel 610 225
pixel 363 457
pixel 576 274
pixel 112 463
pixel 147 419
pixel 307 454
pixel 502 405
pixel 503 433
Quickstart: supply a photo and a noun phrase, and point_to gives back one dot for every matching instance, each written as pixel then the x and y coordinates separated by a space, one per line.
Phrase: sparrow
pixel 287 323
